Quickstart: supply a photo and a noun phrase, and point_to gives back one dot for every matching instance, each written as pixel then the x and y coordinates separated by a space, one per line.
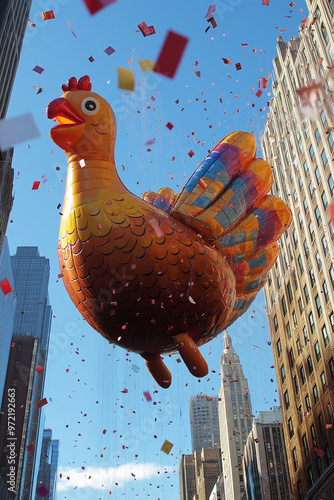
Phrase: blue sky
pixel 85 375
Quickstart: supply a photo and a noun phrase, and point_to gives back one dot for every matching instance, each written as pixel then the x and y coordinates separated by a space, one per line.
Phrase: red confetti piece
pixel 48 15
pixel 170 54
pixel 238 66
pixel 96 5
pixel 30 447
pixel 146 30
pixel 42 491
pixel 191 153
pixel 147 396
pixel 39 369
pixel 169 125
pixel 258 93
pixel 5 286
pixel 35 185
pixel 41 403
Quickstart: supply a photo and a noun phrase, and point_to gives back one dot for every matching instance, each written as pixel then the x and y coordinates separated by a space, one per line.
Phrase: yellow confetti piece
pixel 167 446
pixel 146 64
pixel 126 79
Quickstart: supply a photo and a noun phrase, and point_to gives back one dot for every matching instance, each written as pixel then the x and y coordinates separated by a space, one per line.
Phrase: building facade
pixel 265 465
pixel 7 312
pixel 187 477
pixel 235 419
pixel 30 343
pixel 13 21
pixel 204 421
pixel 48 465
pixel 6 188
pixel 207 469
pixel 300 289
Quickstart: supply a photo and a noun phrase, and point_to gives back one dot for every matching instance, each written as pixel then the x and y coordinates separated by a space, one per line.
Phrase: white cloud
pixel 106 477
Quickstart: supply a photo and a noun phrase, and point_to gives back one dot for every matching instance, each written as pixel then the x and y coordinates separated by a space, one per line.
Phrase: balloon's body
pixel 172 272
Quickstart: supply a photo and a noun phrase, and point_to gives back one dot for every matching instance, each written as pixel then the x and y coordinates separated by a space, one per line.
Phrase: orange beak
pixel 70 125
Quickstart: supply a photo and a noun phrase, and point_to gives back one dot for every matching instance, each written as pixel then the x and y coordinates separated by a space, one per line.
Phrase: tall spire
pixel 227 342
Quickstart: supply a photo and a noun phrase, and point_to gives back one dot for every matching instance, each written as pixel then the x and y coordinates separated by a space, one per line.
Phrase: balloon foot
pixel 190 354
pixel 158 369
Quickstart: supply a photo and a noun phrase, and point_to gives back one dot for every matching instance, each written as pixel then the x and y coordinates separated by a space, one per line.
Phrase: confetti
pixel 211 9
pixel 109 50
pixel 170 54
pixel 39 369
pixel 96 5
pixel 146 64
pixel 5 286
pixel 71 29
pixel 48 15
pixel 38 69
pixel 41 403
pixel 126 79
pixel 169 126
pixel 238 66
pixel 166 447
pixel 35 185
pixel 146 30
pixel 42 491
pixel 18 129
pixel 147 396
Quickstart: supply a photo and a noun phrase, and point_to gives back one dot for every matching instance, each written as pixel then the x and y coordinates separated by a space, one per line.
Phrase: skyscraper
pixel 48 465
pixel 13 21
pixel 235 419
pixel 187 477
pixel 6 188
pixel 7 311
pixel 30 346
pixel 299 292
pixel 265 465
pixel 207 470
pixel 204 421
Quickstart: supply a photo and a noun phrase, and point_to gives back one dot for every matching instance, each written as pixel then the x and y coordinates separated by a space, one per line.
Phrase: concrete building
pixel 207 469
pixel 30 347
pixel 265 466
pixel 7 311
pixel 48 465
pixel 13 21
pixel 187 477
pixel 235 419
pixel 300 289
pixel 6 188
pixel 204 421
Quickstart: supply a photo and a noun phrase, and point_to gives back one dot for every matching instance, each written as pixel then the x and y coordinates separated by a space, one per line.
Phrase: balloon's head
pixel 85 121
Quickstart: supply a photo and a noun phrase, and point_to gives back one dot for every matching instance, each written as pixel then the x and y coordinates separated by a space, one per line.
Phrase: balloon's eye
pixel 90 106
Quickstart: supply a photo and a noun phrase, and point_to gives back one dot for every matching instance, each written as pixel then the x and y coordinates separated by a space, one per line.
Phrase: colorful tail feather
pixel 226 201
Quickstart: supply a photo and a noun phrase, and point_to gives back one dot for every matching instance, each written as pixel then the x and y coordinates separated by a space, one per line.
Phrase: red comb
pixel 82 84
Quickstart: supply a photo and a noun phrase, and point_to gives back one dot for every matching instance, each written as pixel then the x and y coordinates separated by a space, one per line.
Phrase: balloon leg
pixel 190 354
pixel 158 369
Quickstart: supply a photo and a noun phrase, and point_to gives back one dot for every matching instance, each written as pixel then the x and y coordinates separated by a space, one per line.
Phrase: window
pixel 319 466
pixel 311 189
pixel 318 176
pixel 324 200
pixel 331 229
pixel 317 351
pixel 295 380
pixel 331 367
pixel 317 136
pixel 300 264
pixel 300 414
pixel 323 382
pixel 325 335
pixel 310 476
pixel 307 297
pixel 275 323
pixel 311 321
pixel 323 119
pixel 319 261
pixel 321 424
pixel 307 402
pixel 312 277
pixel 314 438
pixel 330 137
pixel 306 206
pixel 318 306
pixel 324 159
pixel 315 394
pixel 233 397
pixel 324 33
pixel 284 305
pixel 300 305
pixel 306 169
pixel 288 331
pixel 310 364
pixel 302 374
pixel 295 238
pixel 295 458
pixel 317 215
pixel 305 446
pixel 294 317
pixel 290 295
pixel 331 319
pixel 311 230
pixel 325 245
pixel 290 425
pixel 311 151
pixel 286 399
pixel 306 339
pixel 283 374
pixel 330 413
pixel 290 251
pixel 279 348
pixel 294 279
pixel 331 184
pixel 298 345
pixel 279 284
pixel 325 291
